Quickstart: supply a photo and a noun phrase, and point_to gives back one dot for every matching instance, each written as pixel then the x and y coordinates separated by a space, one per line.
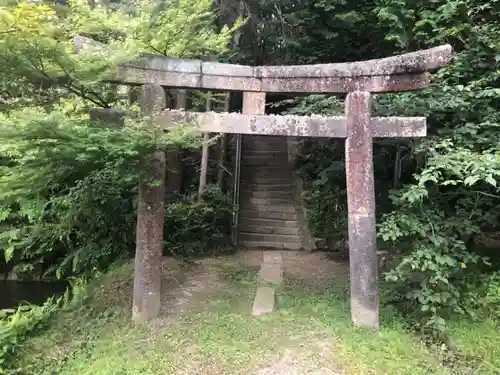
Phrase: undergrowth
pixel 19 324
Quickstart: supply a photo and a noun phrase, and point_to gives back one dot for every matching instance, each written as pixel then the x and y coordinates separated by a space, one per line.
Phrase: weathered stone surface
pixel 413 62
pixel 84 44
pixel 385 83
pixel 254 103
pixel 108 116
pixel 212 82
pixel 264 301
pixel 227 70
pixel 266 229
pixel 270 245
pixel 397 73
pixel 302 126
pixel 271 273
pixel 136 76
pixel 361 212
pixel 258 124
pixel 260 156
pixel 167 64
pixel 273 257
pixel 150 215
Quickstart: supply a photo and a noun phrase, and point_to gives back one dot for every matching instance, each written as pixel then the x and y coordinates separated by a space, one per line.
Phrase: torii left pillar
pixel 150 216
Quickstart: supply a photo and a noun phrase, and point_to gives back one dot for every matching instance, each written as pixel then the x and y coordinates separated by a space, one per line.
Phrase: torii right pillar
pixel 363 260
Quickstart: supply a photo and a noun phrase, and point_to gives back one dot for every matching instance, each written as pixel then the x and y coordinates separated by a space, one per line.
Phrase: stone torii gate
pixel 357 79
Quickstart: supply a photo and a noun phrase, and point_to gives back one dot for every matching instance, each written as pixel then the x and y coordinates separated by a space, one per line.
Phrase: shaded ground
pixel 206 327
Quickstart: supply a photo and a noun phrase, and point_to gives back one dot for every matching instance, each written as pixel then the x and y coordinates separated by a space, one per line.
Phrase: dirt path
pixel 316 269
pixel 188 289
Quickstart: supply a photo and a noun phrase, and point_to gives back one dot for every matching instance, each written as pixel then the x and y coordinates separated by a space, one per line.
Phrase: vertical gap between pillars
pixel 204 153
pixel 254 103
pixel 223 149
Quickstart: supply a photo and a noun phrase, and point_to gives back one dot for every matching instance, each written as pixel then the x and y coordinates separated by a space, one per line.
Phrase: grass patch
pixel 312 326
pixel 478 344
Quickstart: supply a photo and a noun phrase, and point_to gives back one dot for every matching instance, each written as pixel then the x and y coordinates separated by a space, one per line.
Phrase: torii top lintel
pixel 405 72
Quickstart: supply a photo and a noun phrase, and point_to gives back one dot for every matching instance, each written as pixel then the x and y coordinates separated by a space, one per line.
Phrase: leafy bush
pixel 68 189
pixel 193 227
pixel 447 188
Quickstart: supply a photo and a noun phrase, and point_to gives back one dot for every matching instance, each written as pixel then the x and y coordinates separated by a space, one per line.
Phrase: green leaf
pixel 471 180
pixel 491 180
pixel 9 253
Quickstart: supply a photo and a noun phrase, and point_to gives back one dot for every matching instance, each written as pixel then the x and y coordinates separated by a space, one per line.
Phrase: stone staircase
pixel 268 217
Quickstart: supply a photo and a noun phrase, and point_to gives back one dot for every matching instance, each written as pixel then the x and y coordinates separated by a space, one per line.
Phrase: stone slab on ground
pixel 273 257
pixel 271 273
pixel 264 301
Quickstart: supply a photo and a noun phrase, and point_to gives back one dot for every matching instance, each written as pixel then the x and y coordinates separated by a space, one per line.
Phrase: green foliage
pixel 17 325
pixel 183 28
pixel 38 51
pixel 68 188
pixel 452 201
pixel 484 295
pixel 447 194
pixel 193 228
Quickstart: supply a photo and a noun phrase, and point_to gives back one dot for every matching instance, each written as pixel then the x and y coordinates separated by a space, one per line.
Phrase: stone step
pixel 274 223
pixel 269 245
pixel 285 208
pixel 253 146
pixel 264 138
pixel 279 238
pixel 265 153
pixel 264 301
pixel 269 230
pixel 250 197
pixel 284 169
pixel 258 180
pixel 280 180
pixel 248 174
pixel 267 162
pixel 268 201
pixel 271 194
pixel 245 213
pixel 267 187
pixel 267 169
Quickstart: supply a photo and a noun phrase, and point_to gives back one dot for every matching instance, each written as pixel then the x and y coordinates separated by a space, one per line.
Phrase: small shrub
pixel 192 227
pixel 485 295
